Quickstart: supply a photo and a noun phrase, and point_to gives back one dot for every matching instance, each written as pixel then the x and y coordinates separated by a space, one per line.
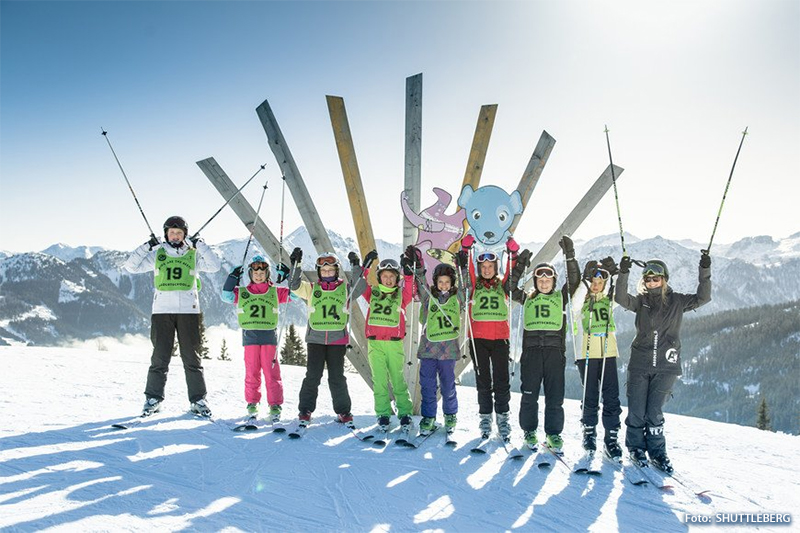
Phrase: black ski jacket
pixel 657 345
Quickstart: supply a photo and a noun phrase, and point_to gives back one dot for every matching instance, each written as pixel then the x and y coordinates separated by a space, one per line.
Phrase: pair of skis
pixel 252 424
pixel 144 417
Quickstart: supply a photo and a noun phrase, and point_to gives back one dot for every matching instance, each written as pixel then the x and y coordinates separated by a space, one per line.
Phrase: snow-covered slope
pixel 63 469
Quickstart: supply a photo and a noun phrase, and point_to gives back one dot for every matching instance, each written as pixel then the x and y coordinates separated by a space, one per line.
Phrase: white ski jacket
pixel 143 259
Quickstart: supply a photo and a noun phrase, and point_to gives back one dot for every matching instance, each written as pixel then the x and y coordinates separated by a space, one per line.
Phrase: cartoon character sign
pixel 490 212
pixel 437 232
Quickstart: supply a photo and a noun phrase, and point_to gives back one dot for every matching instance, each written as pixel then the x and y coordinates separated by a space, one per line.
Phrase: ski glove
pixel 625 264
pixel 369 258
pixel 467 241
pixel 461 258
pixel 353 258
pixel 524 258
pixel 408 265
pixel 153 242
pixel 237 273
pixel 589 270
pixel 194 240
pixel 414 256
pixel 281 272
pixel 705 259
pixel 610 265
pixel 296 256
pixel 512 246
pixel 567 247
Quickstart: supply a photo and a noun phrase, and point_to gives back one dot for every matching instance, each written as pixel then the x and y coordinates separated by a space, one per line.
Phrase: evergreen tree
pixel 762 418
pixel 293 351
pixel 223 352
pixel 203 348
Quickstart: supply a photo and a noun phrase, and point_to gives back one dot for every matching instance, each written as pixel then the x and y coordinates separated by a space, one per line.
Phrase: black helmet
pixel 656 267
pixel 443 269
pixel 176 222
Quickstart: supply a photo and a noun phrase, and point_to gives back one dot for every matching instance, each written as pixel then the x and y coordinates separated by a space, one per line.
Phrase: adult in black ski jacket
pixel 655 362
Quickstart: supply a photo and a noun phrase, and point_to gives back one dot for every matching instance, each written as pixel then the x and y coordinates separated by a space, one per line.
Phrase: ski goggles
pixel 544 272
pixel 653 269
pixel 388 264
pixel 327 260
pixel 649 279
pixel 487 256
pixel 601 273
pixel 259 266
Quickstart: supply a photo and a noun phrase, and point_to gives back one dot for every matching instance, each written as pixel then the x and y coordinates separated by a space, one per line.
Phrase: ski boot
pixel 275 413
pixel 200 408
pixel 450 423
pixel 406 423
pixel 531 441
pixel 555 443
pixel 252 410
pixel 589 438
pixel 503 426
pixel 663 463
pixel 345 418
pixel 613 451
pixel 485 425
pixel 638 457
pixel 151 406
pixel 426 425
pixel 304 419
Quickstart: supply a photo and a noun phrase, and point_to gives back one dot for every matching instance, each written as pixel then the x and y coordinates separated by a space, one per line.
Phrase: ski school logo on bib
pixel 162 256
pixel 245 295
pixel 672 355
pixel 317 293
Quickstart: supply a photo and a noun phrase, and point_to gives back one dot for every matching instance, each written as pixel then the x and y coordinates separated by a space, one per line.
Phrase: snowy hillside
pixel 63 469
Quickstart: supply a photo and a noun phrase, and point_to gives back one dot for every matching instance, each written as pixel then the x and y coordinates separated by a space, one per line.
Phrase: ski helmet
pixel 390 265
pixel 656 267
pixel 443 269
pixel 327 259
pixel 258 263
pixel 178 223
pixel 545 270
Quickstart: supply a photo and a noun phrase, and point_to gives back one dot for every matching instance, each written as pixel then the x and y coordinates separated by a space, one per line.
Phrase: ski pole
pixel 196 233
pixel 105 135
pixel 255 220
pixel 469 322
pixel 283 203
pixel 616 197
pixel 600 393
pixel 708 250
pixel 586 359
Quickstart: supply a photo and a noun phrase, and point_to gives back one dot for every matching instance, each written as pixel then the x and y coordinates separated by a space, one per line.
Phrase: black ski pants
pixel 318 356
pixel 611 404
pixel 162 334
pixel 490 358
pixel 647 394
pixel 542 364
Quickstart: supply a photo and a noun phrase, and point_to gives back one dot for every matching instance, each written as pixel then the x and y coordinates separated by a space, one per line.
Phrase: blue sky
pixel 176 82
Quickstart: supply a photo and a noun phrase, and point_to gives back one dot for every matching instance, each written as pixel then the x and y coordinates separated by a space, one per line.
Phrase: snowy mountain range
pixel 69 471
pixel 63 292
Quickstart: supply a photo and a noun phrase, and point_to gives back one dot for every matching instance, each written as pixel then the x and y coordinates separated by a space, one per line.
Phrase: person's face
pixel 258 276
pixel 327 271
pixel 544 284
pixel 597 286
pixel 175 235
pixel 488 270
pixel 653 282
pixel 444 283
pixel 388 279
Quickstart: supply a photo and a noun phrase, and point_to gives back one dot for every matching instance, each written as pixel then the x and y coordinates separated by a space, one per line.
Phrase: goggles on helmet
pixel 327 260
pixel 601 273
pixel 388 264
pixel 487 256
pixel 175 222
pixel 653 269
pixel 259 266
pixel 544 272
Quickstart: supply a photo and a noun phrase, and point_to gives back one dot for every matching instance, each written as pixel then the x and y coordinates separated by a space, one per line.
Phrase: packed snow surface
pixel 62 467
